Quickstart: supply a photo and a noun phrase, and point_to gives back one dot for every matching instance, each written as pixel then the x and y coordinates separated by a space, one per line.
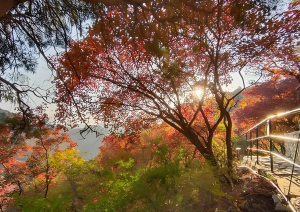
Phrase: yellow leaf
pixel 243 104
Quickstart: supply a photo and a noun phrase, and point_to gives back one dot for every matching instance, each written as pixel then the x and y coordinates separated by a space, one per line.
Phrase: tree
pixel 13 171
pixel 47 139
pixel 266 99
pixel 71 165
pixel 158 173
pixel 286 49
pixel 143 63
pixel 142 146
pixel 27 30
pixel 46 144
pixel 8 5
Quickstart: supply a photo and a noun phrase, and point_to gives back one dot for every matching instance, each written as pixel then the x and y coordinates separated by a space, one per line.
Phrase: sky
pixel 41 78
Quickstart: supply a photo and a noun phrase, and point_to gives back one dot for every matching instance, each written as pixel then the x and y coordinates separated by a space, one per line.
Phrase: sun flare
pixel 199 92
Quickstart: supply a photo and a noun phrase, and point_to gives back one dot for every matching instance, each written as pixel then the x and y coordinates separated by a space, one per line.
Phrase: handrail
pixel 279 156
pixel 281 114
pixel 273 136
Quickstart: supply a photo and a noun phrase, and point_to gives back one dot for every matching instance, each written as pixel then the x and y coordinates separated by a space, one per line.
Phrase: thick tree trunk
pixel 228 141
pixel 228 127
pixel 205 151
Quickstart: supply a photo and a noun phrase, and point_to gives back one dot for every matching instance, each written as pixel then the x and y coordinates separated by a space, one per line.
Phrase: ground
pixel 281 175
pixel 251 193
pixel 254 192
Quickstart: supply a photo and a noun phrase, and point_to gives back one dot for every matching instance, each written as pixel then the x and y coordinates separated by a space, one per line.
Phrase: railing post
pixel 296 153
pixel 269 131
pixel 247 148
pixel 250 145
pixel 257 145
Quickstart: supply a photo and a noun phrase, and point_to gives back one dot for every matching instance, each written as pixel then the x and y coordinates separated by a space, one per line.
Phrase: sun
pixel 199 93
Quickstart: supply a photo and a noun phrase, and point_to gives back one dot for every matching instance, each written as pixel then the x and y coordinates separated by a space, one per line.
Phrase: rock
pixel 275 198
pixel 261 171
pixel 281 199
pixel 280 207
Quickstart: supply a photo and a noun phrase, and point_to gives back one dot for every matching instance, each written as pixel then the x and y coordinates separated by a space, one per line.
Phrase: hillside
pixel 3 114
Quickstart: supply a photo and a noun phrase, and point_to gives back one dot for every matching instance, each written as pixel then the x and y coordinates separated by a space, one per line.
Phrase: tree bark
pixel 20 188
pixel 228 127
pixel 205 151
pixel 47 189
pixel 228 141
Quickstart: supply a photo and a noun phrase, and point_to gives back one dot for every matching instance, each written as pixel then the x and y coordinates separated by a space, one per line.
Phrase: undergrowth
pixel 166 182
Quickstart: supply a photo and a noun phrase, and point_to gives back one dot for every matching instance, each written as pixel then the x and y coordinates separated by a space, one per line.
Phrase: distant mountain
pixel 238 97
pixel 4 114
pixel 88 144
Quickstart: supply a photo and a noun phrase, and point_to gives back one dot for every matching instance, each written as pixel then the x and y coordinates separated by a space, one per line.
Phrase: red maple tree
pixel 266 99
pixel 145 62
pixel 35 142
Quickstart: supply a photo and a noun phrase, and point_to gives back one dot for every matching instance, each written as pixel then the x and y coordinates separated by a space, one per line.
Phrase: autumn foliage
pixel 137 72
pixel 265 99
pixel 25 150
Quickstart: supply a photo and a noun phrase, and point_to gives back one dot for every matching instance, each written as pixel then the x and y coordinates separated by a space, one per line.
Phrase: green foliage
pixel 166 186
pixel 270 177
pixel 71 165
pixel 38 203
pixel 126 165
pixel 166 183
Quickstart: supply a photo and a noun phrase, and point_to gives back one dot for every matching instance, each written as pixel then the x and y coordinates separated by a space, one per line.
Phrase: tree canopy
pixel 265 99
pixel 143 63
pixel 27 31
